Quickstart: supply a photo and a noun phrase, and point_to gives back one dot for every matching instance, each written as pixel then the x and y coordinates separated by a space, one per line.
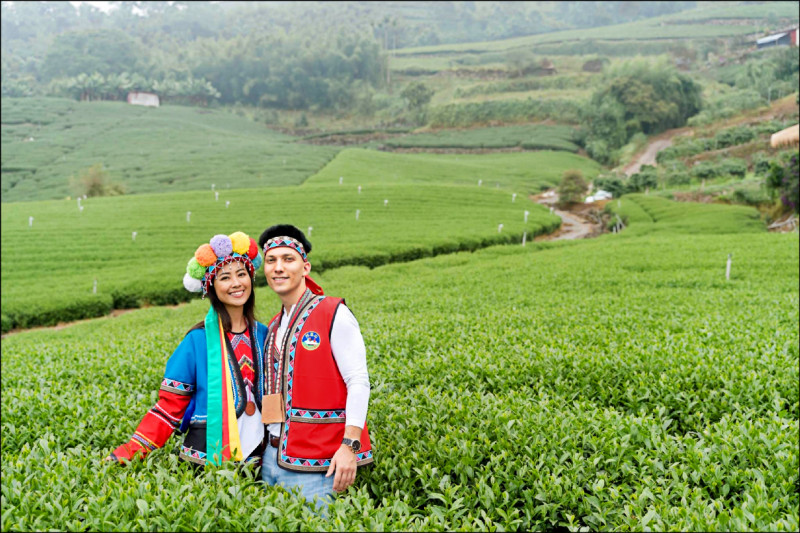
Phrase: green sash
pixel 214 444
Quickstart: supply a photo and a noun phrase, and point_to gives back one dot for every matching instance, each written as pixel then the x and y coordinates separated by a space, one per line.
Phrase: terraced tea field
pixel 381 223
pixel 45 141
pixel 614 384
pixel 523 172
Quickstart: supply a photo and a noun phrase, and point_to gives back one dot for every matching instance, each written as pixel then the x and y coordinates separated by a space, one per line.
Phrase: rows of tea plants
pixel 527 137
pixel 651 214
pixel 614 384
pixel 376 224
pixel 520 172
pixel 165 149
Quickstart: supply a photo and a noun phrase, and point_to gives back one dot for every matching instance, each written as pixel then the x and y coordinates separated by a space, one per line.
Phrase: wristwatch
pixel 353 444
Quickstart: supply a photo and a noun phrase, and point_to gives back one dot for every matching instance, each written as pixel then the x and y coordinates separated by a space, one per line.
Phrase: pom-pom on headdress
pixel 220 250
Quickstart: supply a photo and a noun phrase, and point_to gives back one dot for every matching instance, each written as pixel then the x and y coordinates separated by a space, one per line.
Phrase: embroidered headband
pixel 277 242
pixel 221 250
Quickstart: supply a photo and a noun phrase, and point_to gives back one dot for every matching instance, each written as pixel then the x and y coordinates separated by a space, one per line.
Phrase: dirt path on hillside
pixel 648 155
pixel 574 223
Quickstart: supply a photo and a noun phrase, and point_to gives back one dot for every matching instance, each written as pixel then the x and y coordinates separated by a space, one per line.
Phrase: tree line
pixel 308 55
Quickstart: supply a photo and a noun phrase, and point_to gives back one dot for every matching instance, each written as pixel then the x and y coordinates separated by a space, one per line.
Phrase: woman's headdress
pixel 220 250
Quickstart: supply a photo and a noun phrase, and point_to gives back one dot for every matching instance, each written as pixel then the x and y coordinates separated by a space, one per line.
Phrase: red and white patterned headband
pixel 288 242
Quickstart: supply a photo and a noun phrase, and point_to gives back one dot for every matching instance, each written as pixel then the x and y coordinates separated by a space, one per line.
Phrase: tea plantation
pixel 614 384
pixel 149 150
pixel 394 224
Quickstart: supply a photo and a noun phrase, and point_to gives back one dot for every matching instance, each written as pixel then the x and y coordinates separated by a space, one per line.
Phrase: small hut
pixel 787 137
pixel 143 98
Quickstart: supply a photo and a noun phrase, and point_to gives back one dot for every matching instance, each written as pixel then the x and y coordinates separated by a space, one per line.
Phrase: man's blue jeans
pixel 311 484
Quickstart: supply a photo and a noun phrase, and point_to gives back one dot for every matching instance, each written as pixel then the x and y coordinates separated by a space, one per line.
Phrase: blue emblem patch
pixel 310 340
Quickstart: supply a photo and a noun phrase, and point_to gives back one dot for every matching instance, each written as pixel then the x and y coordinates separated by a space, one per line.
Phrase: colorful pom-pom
pixel 205 255
pixel 257 261
pixel 191 284
pixel 195 269
pixel 221 244
pixel 240 242
pixel 252 252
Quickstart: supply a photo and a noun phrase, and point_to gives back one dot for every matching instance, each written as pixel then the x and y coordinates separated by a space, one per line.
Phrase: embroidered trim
pixel 319 465
pixel 172 385
pixel 289 373
pixel 192 455
pixel 310 416
pixel 277 242
pixel 141 439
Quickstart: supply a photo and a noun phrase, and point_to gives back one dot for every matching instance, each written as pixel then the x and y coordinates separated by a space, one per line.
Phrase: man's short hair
pixel 284 230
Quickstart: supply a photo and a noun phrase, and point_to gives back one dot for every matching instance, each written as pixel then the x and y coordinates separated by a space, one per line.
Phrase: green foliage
pixel 572 187
pixel 715 169
pixel 97 242
pixel 529 137
pixel 506 111
pixel 417 94
pixel 105 51
pixel 726 105
pixel 784 179
pixel 170 148
pixel 646 178
pixel 665 399
pixel 665 216
pixel 95 181
pixel 612 184
pixel 522 172
pixel 638 96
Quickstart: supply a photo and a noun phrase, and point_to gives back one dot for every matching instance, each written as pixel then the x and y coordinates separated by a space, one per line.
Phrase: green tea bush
pixel 529 137
pixel 665 215
pixel 664 399
pixel 507 111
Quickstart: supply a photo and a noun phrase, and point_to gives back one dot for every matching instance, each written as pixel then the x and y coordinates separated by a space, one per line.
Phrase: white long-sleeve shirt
pixel 350 355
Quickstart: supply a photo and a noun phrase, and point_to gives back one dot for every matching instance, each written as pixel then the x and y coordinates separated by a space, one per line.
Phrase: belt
pixel 272 440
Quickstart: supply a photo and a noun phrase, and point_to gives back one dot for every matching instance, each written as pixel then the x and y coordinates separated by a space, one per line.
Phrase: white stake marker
pixel 524 237
pixel 359 189
pixel 513 197
pixel 385 203
pixel 94 286
pixel 216 196
pixel 358 212
pixel 309 230
pixel 212 186
pixel 133 236
pixel 728 269
pixel 188 214
pixel 499 228
pixel 227 203
pixel 551 210
pixel 80 209
pixel 340 179
pixel 480 182
pixel 526 215
pixel 30 222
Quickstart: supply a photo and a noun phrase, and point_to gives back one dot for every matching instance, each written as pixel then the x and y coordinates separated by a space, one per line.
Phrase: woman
pixel 213 383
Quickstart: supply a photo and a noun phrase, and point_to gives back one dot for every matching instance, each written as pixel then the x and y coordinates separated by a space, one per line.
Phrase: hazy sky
pixel 103 6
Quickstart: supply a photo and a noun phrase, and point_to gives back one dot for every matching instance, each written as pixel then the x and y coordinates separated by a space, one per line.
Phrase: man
pixel 316 380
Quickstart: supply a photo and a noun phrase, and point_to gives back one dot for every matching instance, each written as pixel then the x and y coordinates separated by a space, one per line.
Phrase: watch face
pixel 356 445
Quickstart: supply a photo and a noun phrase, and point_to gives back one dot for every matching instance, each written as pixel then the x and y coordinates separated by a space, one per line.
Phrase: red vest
pixel 314 392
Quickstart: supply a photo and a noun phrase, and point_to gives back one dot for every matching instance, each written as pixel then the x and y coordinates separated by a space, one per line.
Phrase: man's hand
pixel 344 464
